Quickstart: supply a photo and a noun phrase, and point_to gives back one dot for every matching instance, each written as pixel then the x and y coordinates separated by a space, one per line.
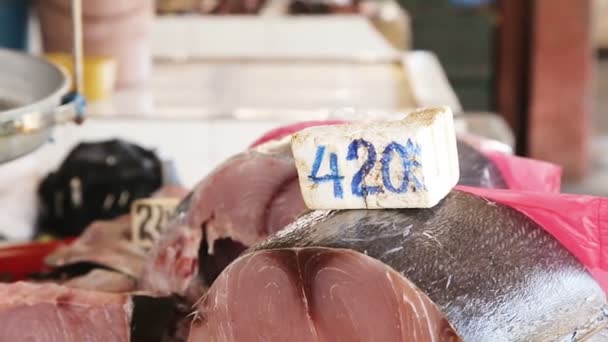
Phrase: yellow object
pixel 45 238
pixel 99 74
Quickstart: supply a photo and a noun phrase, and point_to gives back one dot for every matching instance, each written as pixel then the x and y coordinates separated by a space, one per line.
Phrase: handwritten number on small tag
pixel 144 231
pixel 149 218
pixel 408 154
pixel 358 187
pixel 333 167
pixel 387 157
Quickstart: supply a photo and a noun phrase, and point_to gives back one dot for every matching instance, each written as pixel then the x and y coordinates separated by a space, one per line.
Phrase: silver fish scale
pixel 496 274
pixel 477 170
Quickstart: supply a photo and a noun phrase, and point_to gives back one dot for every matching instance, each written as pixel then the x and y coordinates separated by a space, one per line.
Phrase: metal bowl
pixel 31 93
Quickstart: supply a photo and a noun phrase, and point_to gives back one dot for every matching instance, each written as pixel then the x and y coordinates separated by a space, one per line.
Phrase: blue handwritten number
pixel 357 186
pixel 408 155
pixel 333 167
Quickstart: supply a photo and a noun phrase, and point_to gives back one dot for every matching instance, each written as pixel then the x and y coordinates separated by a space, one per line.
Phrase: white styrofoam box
pixel 429 83
pixel 243 36
pixel 283 91
pixel 411 163
pixel 261 90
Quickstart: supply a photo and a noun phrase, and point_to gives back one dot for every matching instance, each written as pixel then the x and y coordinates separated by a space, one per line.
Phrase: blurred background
pixel 198 80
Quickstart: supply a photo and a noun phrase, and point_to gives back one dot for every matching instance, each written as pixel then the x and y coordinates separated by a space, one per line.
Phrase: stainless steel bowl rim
pixel 25 128
pixel 46 103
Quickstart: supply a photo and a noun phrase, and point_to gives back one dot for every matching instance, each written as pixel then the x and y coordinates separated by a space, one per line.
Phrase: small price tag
pixel 149 217
pixel 411 163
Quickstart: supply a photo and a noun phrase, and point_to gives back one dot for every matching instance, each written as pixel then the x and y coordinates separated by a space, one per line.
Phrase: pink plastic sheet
pixel 519 173
pixel 578 222
pixel 283 131
pixel 527 174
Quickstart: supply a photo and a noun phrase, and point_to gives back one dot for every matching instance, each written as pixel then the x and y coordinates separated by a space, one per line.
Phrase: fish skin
pixel 496 274
pixel 476 169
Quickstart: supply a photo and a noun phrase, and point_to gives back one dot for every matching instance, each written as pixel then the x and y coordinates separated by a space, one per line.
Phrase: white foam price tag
pixel 149 217
pixel 411 163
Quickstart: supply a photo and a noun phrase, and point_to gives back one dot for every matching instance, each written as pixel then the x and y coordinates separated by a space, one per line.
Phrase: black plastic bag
pixel 96 181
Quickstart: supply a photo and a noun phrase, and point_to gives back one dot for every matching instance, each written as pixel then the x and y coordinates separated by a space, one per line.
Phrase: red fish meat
pixel 49 312
pixel 314 295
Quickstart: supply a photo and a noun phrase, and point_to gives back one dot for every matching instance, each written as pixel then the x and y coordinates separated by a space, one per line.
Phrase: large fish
pixel 494 272
pixel 244 200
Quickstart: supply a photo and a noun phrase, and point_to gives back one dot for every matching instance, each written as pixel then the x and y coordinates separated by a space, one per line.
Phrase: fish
pixel 247 198
pixel 173 263
pixel 244 200
pixel 494 272
pixel 52 312
pixel 106 244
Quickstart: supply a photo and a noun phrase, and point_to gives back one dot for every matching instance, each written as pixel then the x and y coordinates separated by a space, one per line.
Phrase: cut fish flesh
pixel 104 281
pixel 316 294
pixel 49 312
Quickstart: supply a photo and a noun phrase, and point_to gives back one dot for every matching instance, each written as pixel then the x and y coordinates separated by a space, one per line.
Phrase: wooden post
pixel 561 84
pixel 513 88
